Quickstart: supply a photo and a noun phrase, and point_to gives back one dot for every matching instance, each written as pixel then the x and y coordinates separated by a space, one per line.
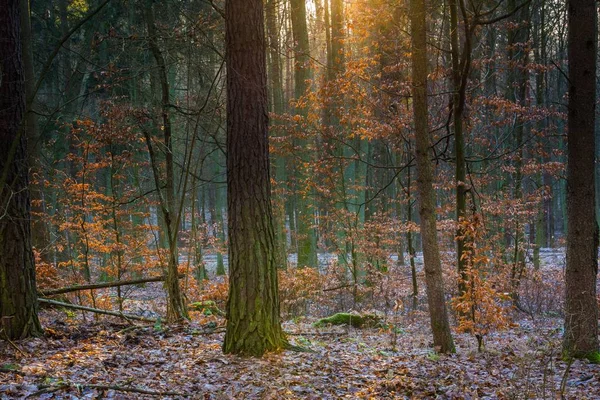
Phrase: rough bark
pixel 581 307
pixel 442 337
pixel 253 322
pixel 18 299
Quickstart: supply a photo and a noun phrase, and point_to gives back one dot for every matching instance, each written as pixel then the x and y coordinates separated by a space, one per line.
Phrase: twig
pixel 57 48
pixel 130 328
pixel 49 389
pixel 12 343
pixel 357 284
pixel 8 370
pixel 213 331
pixel 216 8
pixel 314 333
pixel 340 287
pixel 134 390
pixel 561 71
pixel 563 382
pixel 118 388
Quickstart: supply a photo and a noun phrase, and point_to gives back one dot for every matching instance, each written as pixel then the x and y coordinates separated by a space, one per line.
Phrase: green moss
pixel 355 320
pixel 593 357
pixel 9 367
pixel 433 356
pixel 207 307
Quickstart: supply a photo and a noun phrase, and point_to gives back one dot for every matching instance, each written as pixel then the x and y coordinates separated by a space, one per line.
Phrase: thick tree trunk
pixel 581 307
pixel 253 324
pixel 442 337
pixel 18 299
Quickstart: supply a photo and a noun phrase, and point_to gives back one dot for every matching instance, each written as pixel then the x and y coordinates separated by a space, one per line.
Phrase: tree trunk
pixel 581 307
pixel 40 236
pixel 409 239
pixel 442 337
pixel 18 298
pixel 516 93
pixel 307 241
pixel 278 107
pixel 338 58
pixel 458 103
pixel 253 324
pixel 176 309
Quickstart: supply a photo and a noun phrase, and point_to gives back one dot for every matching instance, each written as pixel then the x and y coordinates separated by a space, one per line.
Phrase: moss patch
pixel 352 319
pixel 207 308
pixel 594 357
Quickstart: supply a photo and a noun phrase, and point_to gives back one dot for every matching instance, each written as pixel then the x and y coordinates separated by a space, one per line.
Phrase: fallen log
pixel 76 288
pixel 96 310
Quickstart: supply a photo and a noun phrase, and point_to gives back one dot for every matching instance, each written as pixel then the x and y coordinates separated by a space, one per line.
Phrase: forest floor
pixel 109 359
pixel 92 357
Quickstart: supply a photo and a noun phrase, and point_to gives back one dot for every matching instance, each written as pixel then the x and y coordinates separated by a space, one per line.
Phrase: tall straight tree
pixel 40 237
pixel 18 299
pixel 581 307
pixel 253 324
pixel 442 337
pixel 458 106
pixel 278 107
pixel 307 239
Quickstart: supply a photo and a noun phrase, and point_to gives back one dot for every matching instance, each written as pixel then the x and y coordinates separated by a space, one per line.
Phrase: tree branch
pixel 76 288
pixel 96 310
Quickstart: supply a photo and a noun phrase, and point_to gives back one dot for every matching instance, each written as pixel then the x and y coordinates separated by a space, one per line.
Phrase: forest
pixel 299 199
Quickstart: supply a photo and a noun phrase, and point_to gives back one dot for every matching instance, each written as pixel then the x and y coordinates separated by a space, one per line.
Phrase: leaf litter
pixel 111 360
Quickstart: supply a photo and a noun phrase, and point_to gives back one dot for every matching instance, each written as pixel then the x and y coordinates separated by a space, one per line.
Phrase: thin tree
pixel 176 310
pixel 277 104
pixel 458 106
pixel 306 234
pixel 442 337
pixel 581 307
pixel 253 324
pixel 18 299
